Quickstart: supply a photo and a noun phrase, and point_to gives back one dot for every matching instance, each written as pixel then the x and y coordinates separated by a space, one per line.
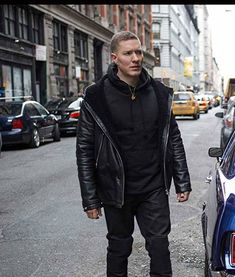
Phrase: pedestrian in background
pixel 128 149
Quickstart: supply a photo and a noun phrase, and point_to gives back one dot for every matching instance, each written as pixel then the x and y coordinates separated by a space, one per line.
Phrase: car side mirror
pixel 219 114
pixel 215 152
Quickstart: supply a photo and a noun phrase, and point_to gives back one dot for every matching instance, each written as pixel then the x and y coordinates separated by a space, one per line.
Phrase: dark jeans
pixel 153 217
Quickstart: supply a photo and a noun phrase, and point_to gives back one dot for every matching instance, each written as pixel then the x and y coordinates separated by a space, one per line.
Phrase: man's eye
pixel 138 52
pixel 128 53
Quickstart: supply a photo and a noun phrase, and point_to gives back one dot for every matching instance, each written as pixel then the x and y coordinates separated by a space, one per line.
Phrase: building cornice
pixel 76 19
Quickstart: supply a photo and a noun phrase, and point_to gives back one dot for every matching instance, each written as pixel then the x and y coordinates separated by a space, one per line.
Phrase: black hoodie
pixel 135 123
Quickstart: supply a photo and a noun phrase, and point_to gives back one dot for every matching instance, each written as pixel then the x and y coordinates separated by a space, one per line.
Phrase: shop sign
pixel 41 53
pixel 188 67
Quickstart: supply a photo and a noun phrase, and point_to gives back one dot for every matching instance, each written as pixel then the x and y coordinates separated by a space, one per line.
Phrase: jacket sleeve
pixel 181 175
pixel 85 154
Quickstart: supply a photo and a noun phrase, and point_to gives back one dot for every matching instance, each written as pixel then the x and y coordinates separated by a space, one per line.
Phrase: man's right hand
pixel 94 213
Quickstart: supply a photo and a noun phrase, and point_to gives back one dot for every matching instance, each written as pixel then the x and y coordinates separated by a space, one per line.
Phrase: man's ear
pixel 114 58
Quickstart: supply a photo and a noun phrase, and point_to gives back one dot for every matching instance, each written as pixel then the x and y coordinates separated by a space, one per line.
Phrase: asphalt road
pixel 45 233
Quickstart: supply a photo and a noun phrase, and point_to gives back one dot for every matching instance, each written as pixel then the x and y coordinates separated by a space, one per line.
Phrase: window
pixel 31 110
pixel 156 8
pixel 156 28
pixel 7 80
pixel 56 36
pixel 27 82
pixel 41 109
pixel 35 28
pixel 122 17
pixel 9 19
pixel 60 37
pixel 81 45
pixel 61 74
pixel 23 23
pixel 17 81
pixel 228 165
pixel 131 23
pixel 81 57
pixel 157 57
pixel 110 14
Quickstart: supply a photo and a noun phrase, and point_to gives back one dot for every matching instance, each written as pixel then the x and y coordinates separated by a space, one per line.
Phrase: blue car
pixel 218 216
pixel 26 122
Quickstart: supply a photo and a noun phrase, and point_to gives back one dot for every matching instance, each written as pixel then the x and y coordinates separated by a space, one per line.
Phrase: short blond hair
pixel 121 36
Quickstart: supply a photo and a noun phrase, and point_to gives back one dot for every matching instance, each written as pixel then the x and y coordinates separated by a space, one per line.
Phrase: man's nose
pixel 135 57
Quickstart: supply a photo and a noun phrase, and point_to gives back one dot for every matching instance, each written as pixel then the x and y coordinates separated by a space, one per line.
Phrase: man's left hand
pixel 183 196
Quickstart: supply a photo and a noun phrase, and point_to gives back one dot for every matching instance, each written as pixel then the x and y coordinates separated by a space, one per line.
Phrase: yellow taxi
pixel 185 104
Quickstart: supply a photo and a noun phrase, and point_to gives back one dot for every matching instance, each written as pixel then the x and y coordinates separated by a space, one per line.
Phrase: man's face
pixel 129 58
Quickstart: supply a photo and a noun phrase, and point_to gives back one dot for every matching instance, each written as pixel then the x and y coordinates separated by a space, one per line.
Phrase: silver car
pixel 228 123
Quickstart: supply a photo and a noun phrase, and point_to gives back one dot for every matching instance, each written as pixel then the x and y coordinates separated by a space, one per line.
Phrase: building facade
pixel 205 49
pixel 52 50
pixel 175 43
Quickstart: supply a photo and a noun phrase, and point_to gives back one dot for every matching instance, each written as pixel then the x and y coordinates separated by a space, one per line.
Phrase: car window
pixel 12 109
pixel 31 110
pixel 65 104
pixel 182 96
pixel 52 104
pixel 41 109
pixel 228 166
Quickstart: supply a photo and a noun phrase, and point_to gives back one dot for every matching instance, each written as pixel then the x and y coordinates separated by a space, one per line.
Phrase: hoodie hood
pixel 144 79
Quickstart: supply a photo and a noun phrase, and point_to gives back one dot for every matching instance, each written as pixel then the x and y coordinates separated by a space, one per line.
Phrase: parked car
pixel 228 122
pixel 218 215
pixel 0 144
pixel 203 103
pixel 67 111
pixel 185 104
pixel 26 122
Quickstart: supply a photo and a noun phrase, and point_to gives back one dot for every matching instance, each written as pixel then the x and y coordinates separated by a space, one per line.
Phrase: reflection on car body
pixel 218 216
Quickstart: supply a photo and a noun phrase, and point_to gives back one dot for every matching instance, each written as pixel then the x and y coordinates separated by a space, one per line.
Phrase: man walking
pixel 128 149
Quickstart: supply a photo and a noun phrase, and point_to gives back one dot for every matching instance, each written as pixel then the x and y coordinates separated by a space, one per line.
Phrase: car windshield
pixel 181 96
pixel 9 108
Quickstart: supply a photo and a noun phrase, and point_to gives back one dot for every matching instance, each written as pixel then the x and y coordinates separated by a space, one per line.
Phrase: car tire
pixel 196 116
pixel 35 139
pixel 56 135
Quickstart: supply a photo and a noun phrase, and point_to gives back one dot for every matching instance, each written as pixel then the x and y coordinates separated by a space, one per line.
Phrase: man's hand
pixel 183 196
pixel 94 213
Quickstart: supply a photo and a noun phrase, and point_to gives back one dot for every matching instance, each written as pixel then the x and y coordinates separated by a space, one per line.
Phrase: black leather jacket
pixel 100 166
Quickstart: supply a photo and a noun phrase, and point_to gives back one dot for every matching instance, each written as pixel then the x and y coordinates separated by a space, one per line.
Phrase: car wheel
pixel 207 271
pixel 195 116
pixel 56 135
pixel 35 139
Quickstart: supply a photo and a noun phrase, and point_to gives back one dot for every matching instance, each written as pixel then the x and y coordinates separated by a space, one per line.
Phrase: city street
pixel 45 233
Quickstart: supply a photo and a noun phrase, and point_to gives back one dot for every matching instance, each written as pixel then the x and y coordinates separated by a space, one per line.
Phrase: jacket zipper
pixel 98 155
pixel 100 124
pixel 165 144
